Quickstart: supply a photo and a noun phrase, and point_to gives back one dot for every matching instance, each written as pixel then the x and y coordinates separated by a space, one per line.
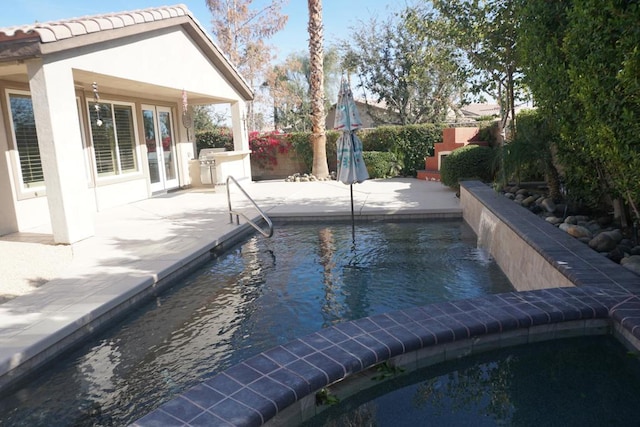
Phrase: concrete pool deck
pixel 52 295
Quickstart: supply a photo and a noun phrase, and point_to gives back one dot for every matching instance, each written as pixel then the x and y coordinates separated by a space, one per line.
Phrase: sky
pixel 294 38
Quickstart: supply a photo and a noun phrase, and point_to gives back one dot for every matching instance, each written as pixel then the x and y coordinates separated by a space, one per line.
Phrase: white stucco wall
pixel 166 57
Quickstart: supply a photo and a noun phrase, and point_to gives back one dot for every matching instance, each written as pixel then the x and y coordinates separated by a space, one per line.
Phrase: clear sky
pixel 338 15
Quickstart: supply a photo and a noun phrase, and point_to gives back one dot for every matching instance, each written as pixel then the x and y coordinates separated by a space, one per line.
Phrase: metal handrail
pixel 264 216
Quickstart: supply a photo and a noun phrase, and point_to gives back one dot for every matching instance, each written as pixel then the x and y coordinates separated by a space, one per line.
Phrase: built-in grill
pixel 208 166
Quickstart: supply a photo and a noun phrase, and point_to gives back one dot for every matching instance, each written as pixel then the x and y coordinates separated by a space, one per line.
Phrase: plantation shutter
pixel 126 141
pixel 103 138
pixel 24 126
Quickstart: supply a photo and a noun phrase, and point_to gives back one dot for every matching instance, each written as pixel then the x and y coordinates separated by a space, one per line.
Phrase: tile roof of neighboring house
pixel 37 39
pixel 479 110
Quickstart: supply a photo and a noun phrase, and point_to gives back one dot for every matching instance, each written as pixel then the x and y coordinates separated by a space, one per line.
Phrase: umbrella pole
pixel 353 226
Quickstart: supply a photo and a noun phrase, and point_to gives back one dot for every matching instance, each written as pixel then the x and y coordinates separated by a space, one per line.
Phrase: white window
pixel 23 124
pixel 113 137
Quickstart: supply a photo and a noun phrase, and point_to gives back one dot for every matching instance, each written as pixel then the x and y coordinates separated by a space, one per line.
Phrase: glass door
pixel 161 147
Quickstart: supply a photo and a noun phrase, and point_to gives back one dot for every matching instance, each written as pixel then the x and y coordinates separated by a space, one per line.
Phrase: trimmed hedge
pixel 471 161
pixel 411 143
pixel 219 138
pixel 381 164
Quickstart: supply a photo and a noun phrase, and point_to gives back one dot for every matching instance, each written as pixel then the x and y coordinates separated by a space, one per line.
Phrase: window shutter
pixel 103 138
pixel 24 126
pixel 126 141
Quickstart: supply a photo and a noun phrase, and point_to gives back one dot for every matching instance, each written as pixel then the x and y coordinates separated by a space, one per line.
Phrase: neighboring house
pixel 367 112
pixel 91 114
pixel 468 114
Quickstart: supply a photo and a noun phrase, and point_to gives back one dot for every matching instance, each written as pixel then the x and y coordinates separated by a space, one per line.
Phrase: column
pixel 60 142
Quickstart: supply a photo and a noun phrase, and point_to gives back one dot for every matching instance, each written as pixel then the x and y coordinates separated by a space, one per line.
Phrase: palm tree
pixel 318 136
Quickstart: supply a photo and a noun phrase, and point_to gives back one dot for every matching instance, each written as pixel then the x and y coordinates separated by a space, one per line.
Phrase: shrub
pixel 301 145
pixel 471 161
pixel 265 146
pixel 414 142
pixel 381 164
pixel 218 138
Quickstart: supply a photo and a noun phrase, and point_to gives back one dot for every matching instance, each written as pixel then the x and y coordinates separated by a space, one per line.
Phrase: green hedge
pixel 381 164
pixel 409 144
pixel 471 161
pixel 301 145
pixel 219 138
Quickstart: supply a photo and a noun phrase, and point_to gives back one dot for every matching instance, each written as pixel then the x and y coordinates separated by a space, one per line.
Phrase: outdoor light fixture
pixel 96 98
pixel 187 117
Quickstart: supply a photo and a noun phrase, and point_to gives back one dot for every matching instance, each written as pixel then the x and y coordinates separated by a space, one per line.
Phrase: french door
pixel 161 147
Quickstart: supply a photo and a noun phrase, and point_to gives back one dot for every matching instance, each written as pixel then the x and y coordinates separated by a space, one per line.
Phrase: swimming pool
pixel 259 294
pixel 570 382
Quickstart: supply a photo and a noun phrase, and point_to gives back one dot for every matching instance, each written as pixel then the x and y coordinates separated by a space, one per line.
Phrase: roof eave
pixel 20 50
pixel 29 45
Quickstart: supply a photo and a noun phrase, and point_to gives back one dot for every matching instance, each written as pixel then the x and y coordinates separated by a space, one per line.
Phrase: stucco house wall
pixel 150 59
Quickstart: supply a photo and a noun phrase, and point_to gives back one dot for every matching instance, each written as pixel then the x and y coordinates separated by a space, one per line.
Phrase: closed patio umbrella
pixel 351 167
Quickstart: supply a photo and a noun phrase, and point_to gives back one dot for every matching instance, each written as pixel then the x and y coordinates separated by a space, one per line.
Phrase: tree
pixel 289 85
pixel 316 85
pixel 582 62
pixel 241 33
pixel 486 32
pixel 206 119
pixel 410 72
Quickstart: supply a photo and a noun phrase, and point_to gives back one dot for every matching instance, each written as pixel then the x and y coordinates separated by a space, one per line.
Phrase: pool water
pixel 259 294
pixel 588 381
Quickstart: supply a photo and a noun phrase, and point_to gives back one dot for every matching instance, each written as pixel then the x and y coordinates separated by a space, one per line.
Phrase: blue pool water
pixel 588 381
pixel 257 295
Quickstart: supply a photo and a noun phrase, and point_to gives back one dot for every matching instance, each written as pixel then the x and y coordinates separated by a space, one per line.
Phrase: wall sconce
pixel 96 99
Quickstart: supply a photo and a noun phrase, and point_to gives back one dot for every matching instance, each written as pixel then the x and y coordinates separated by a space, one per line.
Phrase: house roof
pixel 479 110
pixel 38 39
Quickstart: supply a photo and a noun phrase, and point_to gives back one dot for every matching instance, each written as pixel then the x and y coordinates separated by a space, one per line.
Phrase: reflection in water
pixel 262 293
pixel 573 382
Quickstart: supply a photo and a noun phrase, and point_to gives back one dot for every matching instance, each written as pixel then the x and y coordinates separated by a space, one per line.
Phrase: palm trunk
pixel 316 54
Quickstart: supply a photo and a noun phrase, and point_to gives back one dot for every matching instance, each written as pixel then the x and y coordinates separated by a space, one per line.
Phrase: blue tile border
pixel 256 390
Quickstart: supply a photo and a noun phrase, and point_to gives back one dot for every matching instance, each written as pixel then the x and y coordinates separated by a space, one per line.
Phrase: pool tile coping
pixel 258 389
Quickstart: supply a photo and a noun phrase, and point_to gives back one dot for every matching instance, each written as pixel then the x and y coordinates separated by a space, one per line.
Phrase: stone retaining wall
pixel 526 268
pixel 533 253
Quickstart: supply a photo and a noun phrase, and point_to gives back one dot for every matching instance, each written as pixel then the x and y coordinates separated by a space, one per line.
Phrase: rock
pixel 625 249
pixel 553 220
pixel 522 191
pixel 604 220
pixel 603 242
pixel 536 209
pixel 528 201
pixel 616 234
pixel 510 196
pixel 635 250
pixel 626 242
pixel 571 220
pixel 615 255
pixel 593 227
pixel 632 263
pixel 575 230
pixel 548 205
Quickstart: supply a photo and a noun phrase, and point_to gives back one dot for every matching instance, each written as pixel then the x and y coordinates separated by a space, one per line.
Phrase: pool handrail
pixel 264 216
